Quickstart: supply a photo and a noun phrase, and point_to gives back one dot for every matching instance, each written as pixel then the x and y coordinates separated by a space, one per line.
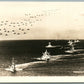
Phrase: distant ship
pixel 70 42
pixel 76 41
pixel 50 46
pixel 72 48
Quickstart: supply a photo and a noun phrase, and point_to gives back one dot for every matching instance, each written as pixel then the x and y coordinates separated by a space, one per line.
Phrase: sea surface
pixel 24 51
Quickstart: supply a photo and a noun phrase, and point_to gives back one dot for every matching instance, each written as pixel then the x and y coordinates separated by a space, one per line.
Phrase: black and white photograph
pixel 41 39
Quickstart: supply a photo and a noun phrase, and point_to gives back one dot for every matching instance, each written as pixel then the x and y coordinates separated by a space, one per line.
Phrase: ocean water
pixel 24 51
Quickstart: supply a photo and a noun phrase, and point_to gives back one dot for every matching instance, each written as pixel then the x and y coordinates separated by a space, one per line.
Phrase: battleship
pixel 45 57
pixel 13 67
pixel 50 46
pixel 72 47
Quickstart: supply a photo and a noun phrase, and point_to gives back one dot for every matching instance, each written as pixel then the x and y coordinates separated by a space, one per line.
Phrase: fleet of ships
pixel 46 55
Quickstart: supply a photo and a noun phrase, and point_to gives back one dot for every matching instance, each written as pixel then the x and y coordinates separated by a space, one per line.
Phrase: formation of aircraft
pixel 24 24
pixel 21 27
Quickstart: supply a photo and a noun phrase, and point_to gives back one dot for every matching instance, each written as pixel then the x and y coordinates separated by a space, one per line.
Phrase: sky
pixel 41 20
